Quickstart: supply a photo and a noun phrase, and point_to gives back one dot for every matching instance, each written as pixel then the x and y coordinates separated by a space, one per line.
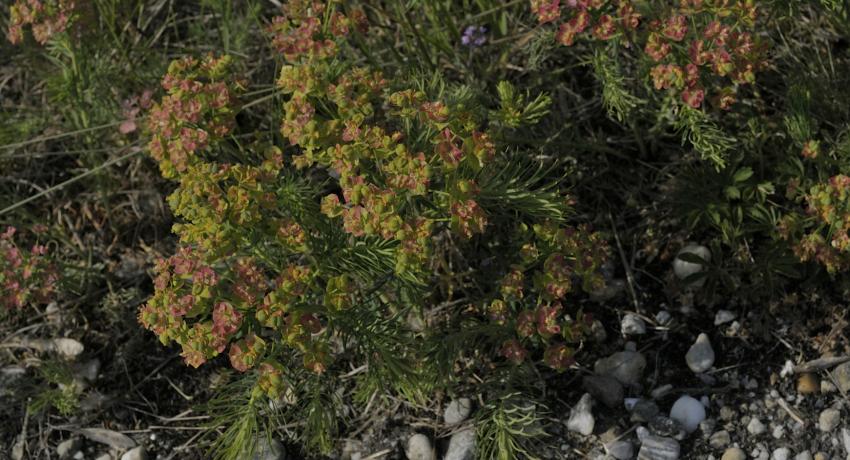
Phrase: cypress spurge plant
pixel 297 258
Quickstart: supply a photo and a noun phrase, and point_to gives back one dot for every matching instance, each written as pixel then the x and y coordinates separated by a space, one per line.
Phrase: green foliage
pixel 60 391
pixel 510 427
pixel 707 139
pixel 514 111
pixel 616 98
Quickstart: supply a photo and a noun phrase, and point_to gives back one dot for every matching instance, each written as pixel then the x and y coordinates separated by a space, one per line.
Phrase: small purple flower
pixel 474 36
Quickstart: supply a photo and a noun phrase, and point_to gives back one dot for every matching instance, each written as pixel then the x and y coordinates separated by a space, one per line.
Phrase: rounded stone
pixel 683 269
pixel 419 448
pixel 734 453
pixel 457 411
pixel 606 389
pixel 625 366
pixel 829 420
pixel 700 356
pixel 689 412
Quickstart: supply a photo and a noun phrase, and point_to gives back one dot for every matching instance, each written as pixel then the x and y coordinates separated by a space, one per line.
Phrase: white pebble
pixel 689 412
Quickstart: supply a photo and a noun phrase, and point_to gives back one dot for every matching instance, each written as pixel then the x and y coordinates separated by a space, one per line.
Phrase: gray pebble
pixel 606 389
pixel 139 453
pixel 621 450
pixel 461 445
pixel 700 356
pixel 734 453
pixel 829 420
pixel 457 411
pixel 581 419
pixel 782 453
pixel 755 427
pixel 659 448
pixel 632 325
pixel 625 366
pixel 720 439
pixel 419 448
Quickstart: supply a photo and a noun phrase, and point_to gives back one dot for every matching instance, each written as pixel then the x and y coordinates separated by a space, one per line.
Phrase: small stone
pixel 644 410
pixel 605 389
pixel 782 453
pixel 661 391
pixel 807 384
pixel 663 317
pixel 683 269
pixel 689 412
pixel 68 348
pixel 723 317
pixel 720 439
pixel 700 356
pixel 625 366
pixel 139 453
pixel 69 447
pixel 104 457
pixel 621 450
pixel 755 427
pixel 658 448
pixel 632 325
pixel 828 420
pixel 457 411
pixel 461 445
pixel 727 413
pixel 826 386
pixel 821 456
pixel 266 449
pixel 842 376
pixel 734 453
pixel 804 455
pixel 79 455
pixel 419 448
pixel 778 431
pixel 581 419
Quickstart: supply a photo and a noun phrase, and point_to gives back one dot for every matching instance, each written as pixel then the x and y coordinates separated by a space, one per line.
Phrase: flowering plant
pixel 269 273
pixel 698 49
pixel 26 276
pixel 47 18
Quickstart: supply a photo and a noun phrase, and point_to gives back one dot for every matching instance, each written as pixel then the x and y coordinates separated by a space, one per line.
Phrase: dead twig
pixel 820 364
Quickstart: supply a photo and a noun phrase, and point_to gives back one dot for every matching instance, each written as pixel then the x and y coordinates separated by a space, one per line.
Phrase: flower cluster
pixel 197 111
pixel 823 233
pixel 474 36
pixel 26 276
pixel 47 18
pixel 547 267
pixel 300 33
pixel 696 46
